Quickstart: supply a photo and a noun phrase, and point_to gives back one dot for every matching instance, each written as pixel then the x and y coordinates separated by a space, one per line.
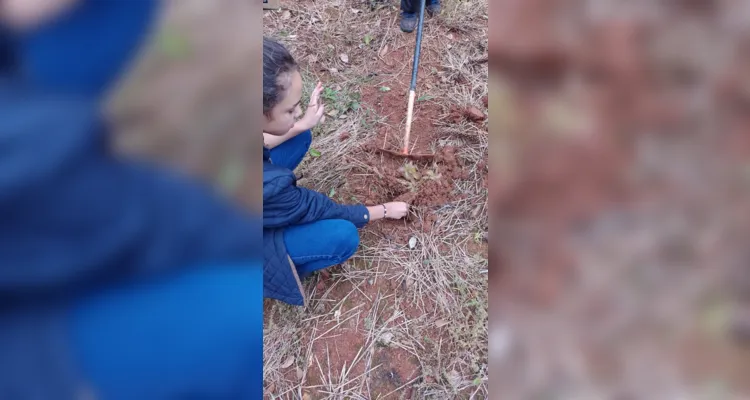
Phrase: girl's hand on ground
pixel 396 210
pixel 315 110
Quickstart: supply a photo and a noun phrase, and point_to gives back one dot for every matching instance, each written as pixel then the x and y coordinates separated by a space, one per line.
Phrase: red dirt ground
pixel 396 368
pixel 391 183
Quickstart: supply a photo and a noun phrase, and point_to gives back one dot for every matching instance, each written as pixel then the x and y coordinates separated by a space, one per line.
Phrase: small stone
pixel 287 363
pixel 412 242
pixel 383 51
pixel 385 339
pixel 474 114
pixel 453 378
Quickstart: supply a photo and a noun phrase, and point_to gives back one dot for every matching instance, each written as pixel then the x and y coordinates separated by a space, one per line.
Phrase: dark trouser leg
pixel 410 6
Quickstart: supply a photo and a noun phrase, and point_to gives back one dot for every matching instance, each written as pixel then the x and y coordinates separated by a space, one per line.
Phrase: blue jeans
pixel 196 334
pixel 319 244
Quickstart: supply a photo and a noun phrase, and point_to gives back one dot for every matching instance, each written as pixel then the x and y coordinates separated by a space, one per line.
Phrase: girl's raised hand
pixel 315 110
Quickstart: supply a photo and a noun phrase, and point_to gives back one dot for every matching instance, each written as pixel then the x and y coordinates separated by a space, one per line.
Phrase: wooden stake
pixel 409 114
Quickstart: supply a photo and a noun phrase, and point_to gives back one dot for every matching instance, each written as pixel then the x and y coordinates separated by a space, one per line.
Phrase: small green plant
pixel 315 153
pixel 330 95
pixel 339 101
pixel 366 121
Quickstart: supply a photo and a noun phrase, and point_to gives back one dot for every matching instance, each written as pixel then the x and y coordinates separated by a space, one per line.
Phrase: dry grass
pixel 440 320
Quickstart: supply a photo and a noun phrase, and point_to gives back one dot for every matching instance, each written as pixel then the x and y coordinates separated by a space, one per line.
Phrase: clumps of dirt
pixel 424 184
pixel 427 184
pixel 472 114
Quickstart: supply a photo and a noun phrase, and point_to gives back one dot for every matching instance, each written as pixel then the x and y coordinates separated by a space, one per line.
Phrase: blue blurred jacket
pixel 73 217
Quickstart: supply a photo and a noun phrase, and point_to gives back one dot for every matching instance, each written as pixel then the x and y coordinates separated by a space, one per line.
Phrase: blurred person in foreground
pixel 303 230
pixel 117 280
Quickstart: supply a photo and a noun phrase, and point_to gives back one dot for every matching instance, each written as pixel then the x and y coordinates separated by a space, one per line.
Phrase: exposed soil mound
pixel 423 184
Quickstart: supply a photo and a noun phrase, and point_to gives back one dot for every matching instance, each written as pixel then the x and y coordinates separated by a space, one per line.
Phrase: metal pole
pixel 415 69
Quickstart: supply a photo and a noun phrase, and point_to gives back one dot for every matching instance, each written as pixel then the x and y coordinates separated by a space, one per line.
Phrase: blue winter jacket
pixel 73 217
pixel 286 204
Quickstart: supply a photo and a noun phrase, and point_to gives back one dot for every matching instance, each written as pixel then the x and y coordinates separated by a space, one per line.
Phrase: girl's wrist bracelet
pixel 385 211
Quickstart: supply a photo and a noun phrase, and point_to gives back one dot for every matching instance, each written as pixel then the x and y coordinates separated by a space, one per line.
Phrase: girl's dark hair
pixel 277 64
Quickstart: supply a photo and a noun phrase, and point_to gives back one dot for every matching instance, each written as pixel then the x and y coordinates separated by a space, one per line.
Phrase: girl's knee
pixel 347 236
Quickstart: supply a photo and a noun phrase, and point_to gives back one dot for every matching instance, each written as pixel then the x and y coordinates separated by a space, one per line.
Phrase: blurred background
pixel 620 137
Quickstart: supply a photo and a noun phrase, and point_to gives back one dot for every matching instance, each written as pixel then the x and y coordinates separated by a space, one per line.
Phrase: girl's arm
pixel 286 204
pixel 272 141
pixel 392 210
